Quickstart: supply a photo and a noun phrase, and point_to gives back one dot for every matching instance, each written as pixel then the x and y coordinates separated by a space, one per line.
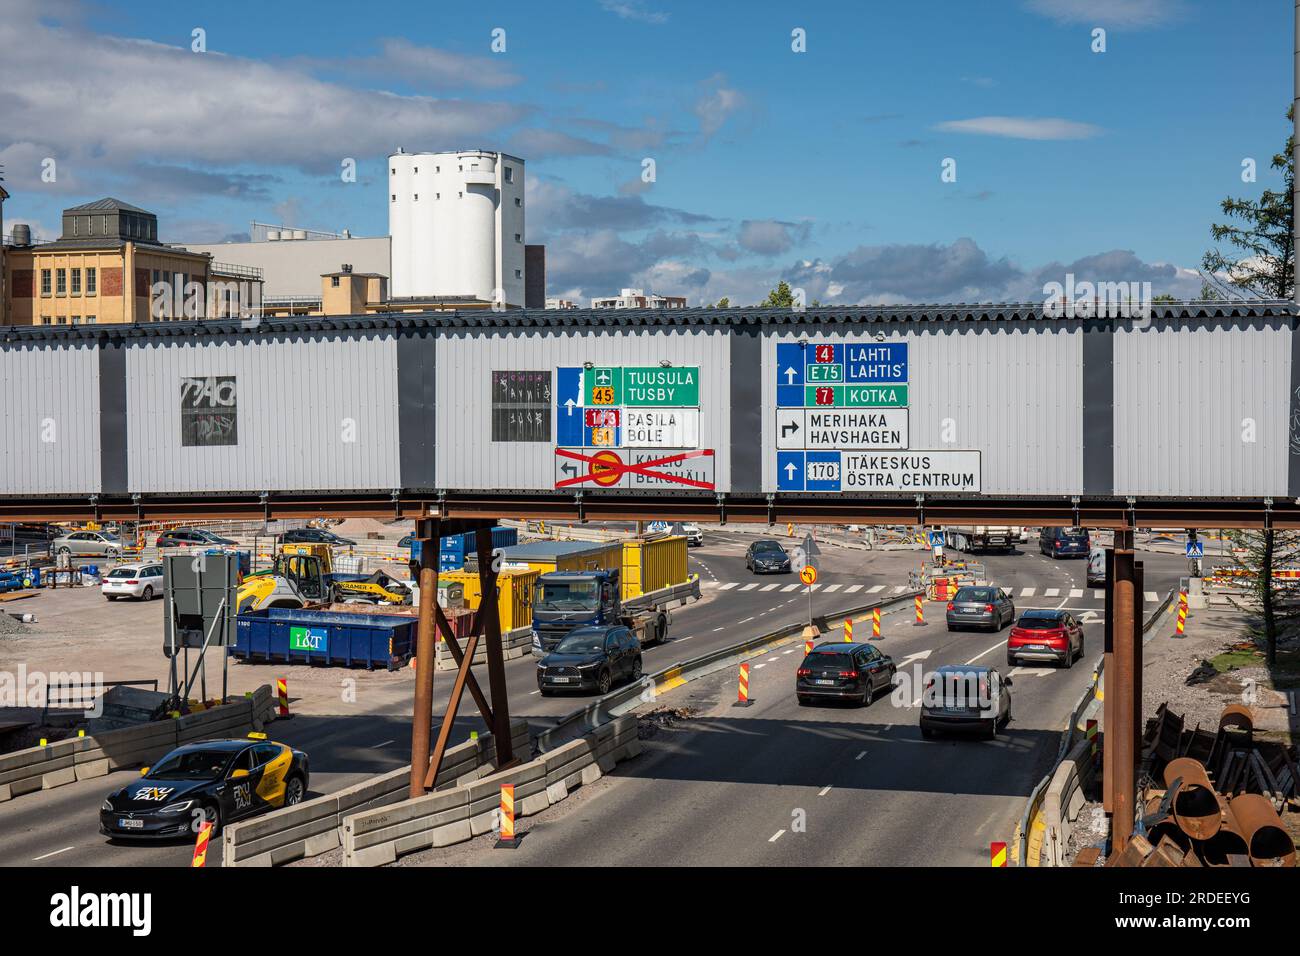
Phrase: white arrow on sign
pixel 569 403
pixel 790 470
pixel 790 373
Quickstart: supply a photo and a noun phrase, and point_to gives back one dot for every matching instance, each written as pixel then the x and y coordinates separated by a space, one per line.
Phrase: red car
pixel 1046 636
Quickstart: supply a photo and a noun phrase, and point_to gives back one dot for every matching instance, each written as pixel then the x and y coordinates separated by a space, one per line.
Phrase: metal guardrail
pixel 1034 804
pixel 614 704
pixel 88 694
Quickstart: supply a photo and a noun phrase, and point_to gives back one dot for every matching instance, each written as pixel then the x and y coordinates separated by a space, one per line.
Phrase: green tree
pixel 782 297
pixel 1163 297
pixel 1260 232
pixel 1255 554
pixel 1262 267
pixel 724 303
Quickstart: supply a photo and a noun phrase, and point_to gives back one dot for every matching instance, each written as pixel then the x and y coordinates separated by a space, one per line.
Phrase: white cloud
pixel 1021 127
pixel 634 10
pixel 1136 14
pixel 127 102
pixel 440 68
pixel 717 104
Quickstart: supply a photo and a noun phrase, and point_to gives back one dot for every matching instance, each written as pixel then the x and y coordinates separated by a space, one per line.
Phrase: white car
pixel 143 581
pixel 694 536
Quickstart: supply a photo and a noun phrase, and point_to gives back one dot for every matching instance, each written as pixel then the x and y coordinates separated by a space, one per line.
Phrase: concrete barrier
pixel 82 758
pixel 515 643
pixel 315 826
pixel 377 837
pixel 1063 800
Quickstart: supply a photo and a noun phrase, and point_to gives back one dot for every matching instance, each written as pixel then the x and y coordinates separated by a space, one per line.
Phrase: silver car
pixel 85 543
pixel 965 697
pixel 983 607
pixel 143 581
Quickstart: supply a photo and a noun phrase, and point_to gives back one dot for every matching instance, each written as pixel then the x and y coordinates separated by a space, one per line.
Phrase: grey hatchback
pixel 965 697
pixel 984 607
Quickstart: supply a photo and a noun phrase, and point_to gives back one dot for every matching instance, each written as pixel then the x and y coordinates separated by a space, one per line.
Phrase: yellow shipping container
pixel 515 603
pixel 649 565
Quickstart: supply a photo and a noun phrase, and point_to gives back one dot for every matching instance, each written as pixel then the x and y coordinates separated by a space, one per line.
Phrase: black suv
pixel 590 658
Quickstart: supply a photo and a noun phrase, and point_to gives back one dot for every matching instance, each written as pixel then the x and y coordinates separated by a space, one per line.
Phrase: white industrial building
pixel 293 260
pixel 457 225
pixel 639 299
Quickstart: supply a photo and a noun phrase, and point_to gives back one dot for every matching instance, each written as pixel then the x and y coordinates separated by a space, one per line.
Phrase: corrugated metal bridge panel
pixel 49 419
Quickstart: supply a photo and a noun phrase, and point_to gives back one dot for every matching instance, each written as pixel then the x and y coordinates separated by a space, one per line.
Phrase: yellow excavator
pixel 304 574
pixel 300 575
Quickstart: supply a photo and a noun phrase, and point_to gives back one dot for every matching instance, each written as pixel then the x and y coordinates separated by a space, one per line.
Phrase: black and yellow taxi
pixel 214 781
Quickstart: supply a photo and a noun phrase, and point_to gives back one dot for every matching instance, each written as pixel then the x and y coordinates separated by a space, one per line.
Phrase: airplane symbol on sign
pixel 603 377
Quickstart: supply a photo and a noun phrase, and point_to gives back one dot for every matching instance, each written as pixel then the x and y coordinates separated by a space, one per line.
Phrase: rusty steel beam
pixel 1108 698
pixel 1121 736
pixel 490 626
pixel 778 509
pixel 449 715
pixel 430 534
pixel 453 645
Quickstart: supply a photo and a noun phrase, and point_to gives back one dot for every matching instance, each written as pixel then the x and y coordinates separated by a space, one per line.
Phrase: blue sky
pixel 821 167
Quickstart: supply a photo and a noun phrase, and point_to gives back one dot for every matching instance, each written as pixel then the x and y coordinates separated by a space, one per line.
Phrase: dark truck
pixel 565 600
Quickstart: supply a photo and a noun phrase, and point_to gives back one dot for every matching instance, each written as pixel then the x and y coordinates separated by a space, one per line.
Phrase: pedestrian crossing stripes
pixel 1027 592
pixel 727 587
pixel 830 588
pixel 853 589
pixel 1076 592
pixel 1099 595
pixel 1152 597
pixel 1052 592
pixel 749 587
pixel 769 587
pixel 789 587
pixel 875 589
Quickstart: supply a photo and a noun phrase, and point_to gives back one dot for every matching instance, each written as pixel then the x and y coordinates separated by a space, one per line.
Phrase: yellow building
pixel 108 266
pixel 364 293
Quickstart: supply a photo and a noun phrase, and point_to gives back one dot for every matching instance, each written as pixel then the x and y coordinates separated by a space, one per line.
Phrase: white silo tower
pixel 457 225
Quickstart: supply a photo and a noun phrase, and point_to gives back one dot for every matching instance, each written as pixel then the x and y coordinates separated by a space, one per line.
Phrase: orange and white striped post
pixel 997 854
pixel 920 613
pixel 848 630
pixel 789 530
pixel 807 646
pixel 201 845
pixel 742 694
pixel 282 689
pixel 1182 614
pixel 875 623
pixel 508 839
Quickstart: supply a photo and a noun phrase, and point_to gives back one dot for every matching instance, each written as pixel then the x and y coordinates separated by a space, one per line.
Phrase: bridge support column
pixel 1123 702
pixel 429 533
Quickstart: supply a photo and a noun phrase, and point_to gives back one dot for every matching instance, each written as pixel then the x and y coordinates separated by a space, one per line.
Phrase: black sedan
pixel 767 556
pixel 854 672
pixel 590 658
pixel 314 536
pixel 217 781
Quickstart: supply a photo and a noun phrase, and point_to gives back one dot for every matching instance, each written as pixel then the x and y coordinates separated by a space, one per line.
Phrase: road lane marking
pixel 978 656
pixel 48 855
pixel 384 744
pixel 853 589
pixel 860 755
pixel 1052 592
pixel 716 629
pixel 831 588
pixel 772 658
pixel 749 587
pixel 769 587
pixel 775 836
pixel 1027 592
pixel 788 588
pixel 823 791
pixel 727 587
pixel 899 589
pixel 745 621
pixel 1099 594
pixel 875 589
pixel 1152 597
pixel 790 651
pixel 1076 592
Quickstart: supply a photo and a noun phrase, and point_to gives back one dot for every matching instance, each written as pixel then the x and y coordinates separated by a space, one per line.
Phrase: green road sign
pixel 855 396
pixel 641 386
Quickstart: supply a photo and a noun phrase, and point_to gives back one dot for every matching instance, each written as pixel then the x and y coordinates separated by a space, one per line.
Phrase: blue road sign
pixel 936 538
pixel 789 470
pixel 1196 549
pixel 570 427
pixel 847 364
pixel 822 471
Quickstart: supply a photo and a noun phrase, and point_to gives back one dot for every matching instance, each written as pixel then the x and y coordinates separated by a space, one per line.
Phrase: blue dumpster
pixel 325 638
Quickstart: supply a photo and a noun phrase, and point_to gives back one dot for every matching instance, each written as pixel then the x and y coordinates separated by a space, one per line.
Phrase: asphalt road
pixel 772 740
pixel 780 784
